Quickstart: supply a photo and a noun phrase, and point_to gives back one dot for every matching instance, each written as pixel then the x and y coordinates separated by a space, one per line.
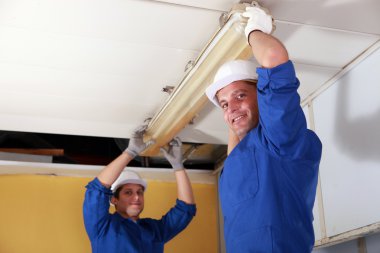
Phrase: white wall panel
pixel 347 247
pixel 305 110
pixel 373 243
pixel 316 222
pixel 347 119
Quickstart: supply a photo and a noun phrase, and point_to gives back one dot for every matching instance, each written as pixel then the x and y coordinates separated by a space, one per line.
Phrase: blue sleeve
pixel 96 207
pixel 176 220
pixel 282 123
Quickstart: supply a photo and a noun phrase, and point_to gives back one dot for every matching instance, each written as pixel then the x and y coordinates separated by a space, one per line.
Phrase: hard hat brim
pixel 128 177
pixel 220 84
pixel 129 181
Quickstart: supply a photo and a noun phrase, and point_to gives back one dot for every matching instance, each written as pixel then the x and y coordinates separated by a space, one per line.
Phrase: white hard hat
pixel 229 72
pixel 128 177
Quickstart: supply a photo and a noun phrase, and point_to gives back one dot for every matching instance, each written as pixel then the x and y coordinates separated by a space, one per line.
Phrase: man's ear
pixel 113 200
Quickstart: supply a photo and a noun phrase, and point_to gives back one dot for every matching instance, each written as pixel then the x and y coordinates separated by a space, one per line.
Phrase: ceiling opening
pixel 89 150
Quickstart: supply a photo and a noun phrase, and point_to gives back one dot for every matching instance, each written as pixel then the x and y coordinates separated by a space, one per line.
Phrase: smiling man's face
pixel 130 201
pixel 238 101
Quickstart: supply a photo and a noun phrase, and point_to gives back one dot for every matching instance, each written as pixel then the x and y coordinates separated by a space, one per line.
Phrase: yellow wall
pixel 42 213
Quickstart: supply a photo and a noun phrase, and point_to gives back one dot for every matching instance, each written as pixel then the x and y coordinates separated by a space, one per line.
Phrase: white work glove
pixel 174 154
pixel 136 143
pixel 259 18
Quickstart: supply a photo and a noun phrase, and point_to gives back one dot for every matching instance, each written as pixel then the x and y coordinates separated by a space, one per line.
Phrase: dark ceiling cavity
pixel 89 150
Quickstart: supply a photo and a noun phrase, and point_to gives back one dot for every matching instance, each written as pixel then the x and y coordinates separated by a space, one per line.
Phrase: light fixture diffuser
pixel 188 98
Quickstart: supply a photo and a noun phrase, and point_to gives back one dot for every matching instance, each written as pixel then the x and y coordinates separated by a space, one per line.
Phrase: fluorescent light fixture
pixel 188 98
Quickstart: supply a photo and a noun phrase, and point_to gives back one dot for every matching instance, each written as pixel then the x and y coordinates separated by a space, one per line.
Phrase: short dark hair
pixel 116 194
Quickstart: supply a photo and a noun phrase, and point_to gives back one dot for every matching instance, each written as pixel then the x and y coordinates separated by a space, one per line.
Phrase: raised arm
pixel 282 120
pixel 174 156
pixel 268 51
pixel 184 189
pixel 112 171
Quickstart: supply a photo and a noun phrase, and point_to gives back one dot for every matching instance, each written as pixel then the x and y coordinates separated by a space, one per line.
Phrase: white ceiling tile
pixel 91 67
pixel 351 15
pixel 221 5
pixel 322 47
pixel 26 123
pixel 140 22
pixel 312 77
pixel 21 111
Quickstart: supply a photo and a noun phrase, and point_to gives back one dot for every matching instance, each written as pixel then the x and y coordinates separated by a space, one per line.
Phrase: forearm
pixel 233 140
pixel 268 51
pixel 184 188
pixel 112 171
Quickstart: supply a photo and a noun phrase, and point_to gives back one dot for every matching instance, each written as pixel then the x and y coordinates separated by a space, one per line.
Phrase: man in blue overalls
pixel 124 230
pixel 268 184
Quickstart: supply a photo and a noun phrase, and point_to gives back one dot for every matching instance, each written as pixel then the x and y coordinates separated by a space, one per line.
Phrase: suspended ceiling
pixel 97 68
